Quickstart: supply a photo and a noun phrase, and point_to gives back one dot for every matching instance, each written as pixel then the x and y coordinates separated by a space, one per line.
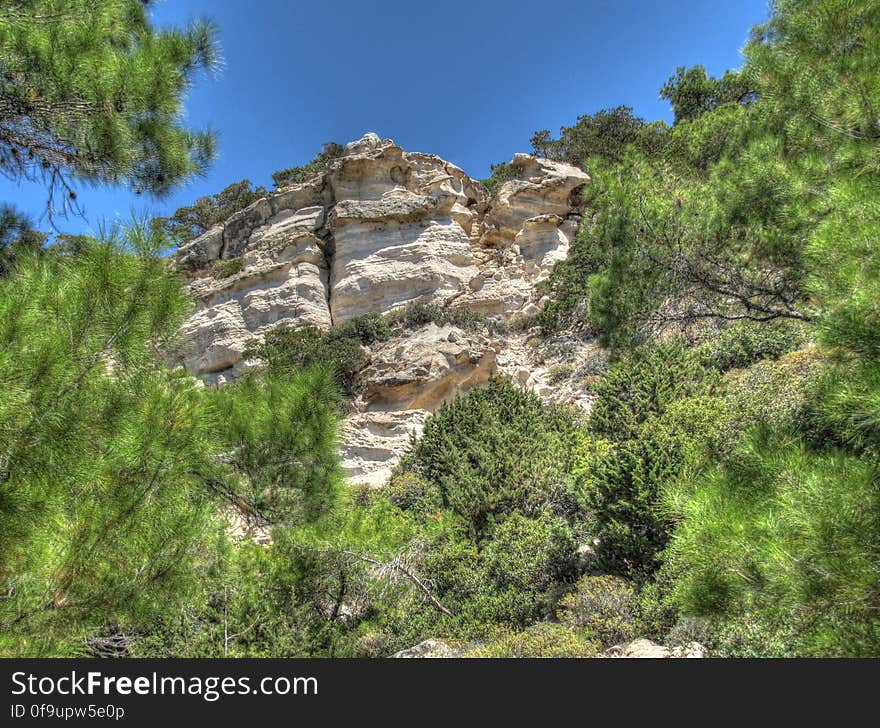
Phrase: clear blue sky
pixel 470 81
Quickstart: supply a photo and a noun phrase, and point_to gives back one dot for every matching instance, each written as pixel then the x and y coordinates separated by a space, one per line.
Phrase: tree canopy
pixel 92 91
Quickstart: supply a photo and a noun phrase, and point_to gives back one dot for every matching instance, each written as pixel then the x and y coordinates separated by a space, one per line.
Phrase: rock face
pixel 381 228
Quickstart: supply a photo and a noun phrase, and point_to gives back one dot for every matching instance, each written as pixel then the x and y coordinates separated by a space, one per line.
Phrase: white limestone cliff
pixel 379 229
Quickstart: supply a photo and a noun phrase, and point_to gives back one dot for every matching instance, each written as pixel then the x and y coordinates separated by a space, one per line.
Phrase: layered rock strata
pixel 379 229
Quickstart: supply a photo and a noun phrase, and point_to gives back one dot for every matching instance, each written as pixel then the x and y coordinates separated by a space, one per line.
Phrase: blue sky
pixel 470 81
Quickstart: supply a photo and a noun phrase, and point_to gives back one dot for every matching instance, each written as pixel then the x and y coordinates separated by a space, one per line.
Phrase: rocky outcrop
pixel 380 228
pixel 408 378
pixel 373 442
pixel 426 650
pixel 427 368
pixel 645 648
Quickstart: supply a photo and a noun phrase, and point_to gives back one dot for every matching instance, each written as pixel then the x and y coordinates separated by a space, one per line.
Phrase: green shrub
pixel 643 439
pixel 656 614
pixel 642 385
pixel 605 135
pixel 513 578
pixel 227 268
pixel 530 555
pixel 522 321
pixel 560 373
pixel 286 350
pixel 187 223
pixel 605 605
pixel 622 493
pixel 742 345
pixel 454 566
pixel 338 349
pixel 842 407
pixel 414 494
pixel 773 393
pixel 367 328
pixel 545 640
pixel 420 313
pixel 703 141
pixel 280 432
pixel 496 450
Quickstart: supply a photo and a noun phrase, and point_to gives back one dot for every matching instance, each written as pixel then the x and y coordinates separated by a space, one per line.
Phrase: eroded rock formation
pixel 381 228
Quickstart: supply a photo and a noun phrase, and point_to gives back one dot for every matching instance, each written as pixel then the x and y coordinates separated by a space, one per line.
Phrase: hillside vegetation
pixel 724 487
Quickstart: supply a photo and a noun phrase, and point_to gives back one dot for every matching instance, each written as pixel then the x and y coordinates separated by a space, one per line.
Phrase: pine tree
pixel 778 544
pixel 191 221
pixel 100 506
pixel 90 90
pixel 116 471
pixel 17 238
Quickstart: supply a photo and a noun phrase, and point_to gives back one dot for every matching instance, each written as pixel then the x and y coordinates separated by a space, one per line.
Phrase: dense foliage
pixel 761 207
pixel 605 135
pixel 495 452
pixel 92 91
pixel 723 486
pixel 338 350
pixel 113 467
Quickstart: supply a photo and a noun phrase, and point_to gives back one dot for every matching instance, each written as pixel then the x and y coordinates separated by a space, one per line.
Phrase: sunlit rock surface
pixel 380 228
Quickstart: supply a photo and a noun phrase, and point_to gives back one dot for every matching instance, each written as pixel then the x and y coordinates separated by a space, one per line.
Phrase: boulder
pixel 426 368
pixel 644 648
pixel 430 648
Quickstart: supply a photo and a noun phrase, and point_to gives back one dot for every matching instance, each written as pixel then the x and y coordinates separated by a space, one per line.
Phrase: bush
pixel 514 577
pixel 740 346
pixel 454 566
pixel 227 268
pixel 522 321
pixel 287 350
pixel 622 493
pixel 414 494
pixel 605 605
pixel 419 313
pixel 605 135
pixel 496 450
pixel 338 349
pixel 568 286
pixel 530 555
pixel 189 222
pixel 560 373
pixel 656 615
pixel 643 385
pixel 774 393
pixel 367 328
pixel 753 635
pixel 545 640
